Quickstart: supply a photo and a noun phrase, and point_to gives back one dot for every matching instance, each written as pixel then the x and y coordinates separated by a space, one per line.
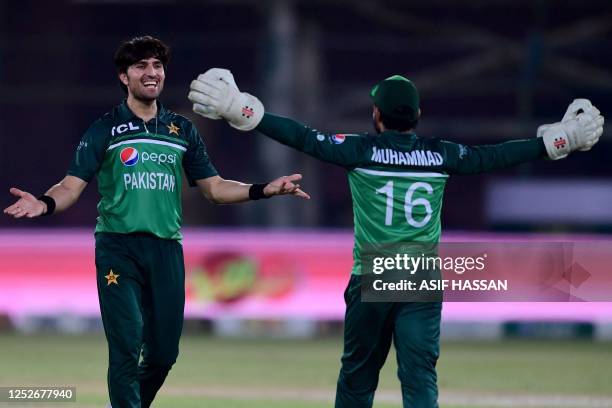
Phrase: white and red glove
pixel 213 74
pixel 214 95
pixel 575 130
pixel 560 139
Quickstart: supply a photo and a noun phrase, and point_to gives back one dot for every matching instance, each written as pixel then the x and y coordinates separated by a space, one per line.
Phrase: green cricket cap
pixel 396 97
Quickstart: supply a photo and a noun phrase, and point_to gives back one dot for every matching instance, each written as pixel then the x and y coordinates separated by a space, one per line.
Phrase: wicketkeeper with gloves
pixel 397 183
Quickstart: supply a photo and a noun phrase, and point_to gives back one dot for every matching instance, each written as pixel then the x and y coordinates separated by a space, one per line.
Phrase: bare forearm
pixel 220 191
pixel 64 197
pixel 229 192
pixel 66 192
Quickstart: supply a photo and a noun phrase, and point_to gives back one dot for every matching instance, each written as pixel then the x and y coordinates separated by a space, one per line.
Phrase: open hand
pixel 26 206
pixel 286 186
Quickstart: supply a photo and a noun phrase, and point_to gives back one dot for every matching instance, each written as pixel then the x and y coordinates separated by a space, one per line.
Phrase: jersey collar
pixel 395 133
pixel 126 114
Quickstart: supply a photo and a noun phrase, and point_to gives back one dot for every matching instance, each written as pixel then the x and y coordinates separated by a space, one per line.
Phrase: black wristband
pixel 50 204
pixel 256 191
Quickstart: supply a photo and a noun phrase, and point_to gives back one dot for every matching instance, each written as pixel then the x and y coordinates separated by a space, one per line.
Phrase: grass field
pixel 218 373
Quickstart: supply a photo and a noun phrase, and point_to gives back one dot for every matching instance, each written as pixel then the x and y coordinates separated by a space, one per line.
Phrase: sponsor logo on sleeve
pixel 338 138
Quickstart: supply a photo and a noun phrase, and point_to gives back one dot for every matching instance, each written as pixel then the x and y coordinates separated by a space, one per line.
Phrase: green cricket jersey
pixel 397 179
pixel 139 169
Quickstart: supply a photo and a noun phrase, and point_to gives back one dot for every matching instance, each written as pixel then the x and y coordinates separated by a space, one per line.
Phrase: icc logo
pixel 129 156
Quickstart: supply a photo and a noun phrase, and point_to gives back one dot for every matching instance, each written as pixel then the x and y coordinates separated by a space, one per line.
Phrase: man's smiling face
pixel 144 79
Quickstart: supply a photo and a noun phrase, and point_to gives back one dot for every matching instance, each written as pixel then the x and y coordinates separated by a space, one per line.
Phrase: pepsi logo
pixel 338 139
pixel 129 156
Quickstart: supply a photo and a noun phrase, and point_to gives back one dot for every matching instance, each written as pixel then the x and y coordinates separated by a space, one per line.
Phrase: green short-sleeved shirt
pixel 139 169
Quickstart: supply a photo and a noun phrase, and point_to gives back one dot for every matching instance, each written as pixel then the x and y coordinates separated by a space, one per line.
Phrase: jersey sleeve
pixel 464 159
pixel 196 162
pixel 347 150
pixel 89 153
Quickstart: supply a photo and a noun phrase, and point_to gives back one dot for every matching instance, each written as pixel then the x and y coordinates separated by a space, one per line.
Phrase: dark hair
pixel 138 48
pixel 401 125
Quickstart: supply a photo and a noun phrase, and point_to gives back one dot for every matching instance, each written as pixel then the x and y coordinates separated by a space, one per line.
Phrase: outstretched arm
pixel 215 95
pixel 580 129
pixel 220 191
pixel 463 159
pixel 347 150
pixel 65 194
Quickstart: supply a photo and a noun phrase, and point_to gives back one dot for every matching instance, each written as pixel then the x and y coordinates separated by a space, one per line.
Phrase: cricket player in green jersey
pixel 138 152
pixel 397 184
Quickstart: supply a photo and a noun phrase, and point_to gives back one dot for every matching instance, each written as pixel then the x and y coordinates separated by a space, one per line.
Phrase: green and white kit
pixel 139 257
pixel 397 185
pixel 397 179
pixel 139 168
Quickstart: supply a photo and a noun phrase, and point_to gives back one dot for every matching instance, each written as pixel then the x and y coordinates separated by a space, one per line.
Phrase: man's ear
pixel 375 113
pixel 123 78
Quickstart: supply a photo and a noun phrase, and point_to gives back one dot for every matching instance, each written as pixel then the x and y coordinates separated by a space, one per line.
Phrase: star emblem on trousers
pixel 111 278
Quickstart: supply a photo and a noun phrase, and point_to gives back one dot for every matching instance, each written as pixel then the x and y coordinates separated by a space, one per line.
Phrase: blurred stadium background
pixel 266 279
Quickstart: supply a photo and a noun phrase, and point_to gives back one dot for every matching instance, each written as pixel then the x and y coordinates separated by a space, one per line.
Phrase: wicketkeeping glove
pixel 560 139
pixel 579 106
pixel 213 74
pixel 575 108
pixel 214 94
